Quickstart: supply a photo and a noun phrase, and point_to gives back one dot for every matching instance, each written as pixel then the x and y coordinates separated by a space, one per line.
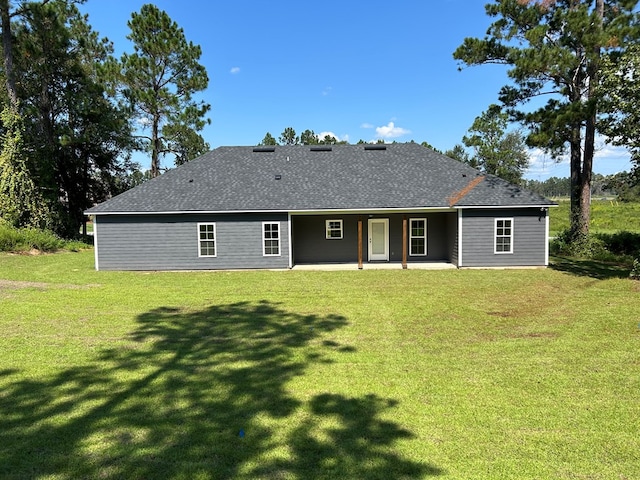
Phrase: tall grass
pixel 26 239
pixel 607 216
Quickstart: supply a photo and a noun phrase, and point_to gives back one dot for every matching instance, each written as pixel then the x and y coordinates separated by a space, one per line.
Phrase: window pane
pixel 417 228
pixel 207 248
pixel 271 247
pixel 417 246
pixel 378 246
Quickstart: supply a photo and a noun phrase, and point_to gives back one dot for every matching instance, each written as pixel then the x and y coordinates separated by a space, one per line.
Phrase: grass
pixel 307 375
pixel 607 216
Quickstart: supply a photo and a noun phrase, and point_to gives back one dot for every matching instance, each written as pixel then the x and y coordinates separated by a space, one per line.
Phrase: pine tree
pixel 556 48
pixel 162 76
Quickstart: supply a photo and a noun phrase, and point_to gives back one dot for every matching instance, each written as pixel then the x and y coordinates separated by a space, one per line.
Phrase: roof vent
pixel 278 176
pixel 320 149
pixel 375 147
pixel 264 149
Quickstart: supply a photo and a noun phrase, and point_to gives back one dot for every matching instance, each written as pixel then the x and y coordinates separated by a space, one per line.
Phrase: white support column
pixel 546 238
pixel 95 241
pixel 459 237
pixel 290 230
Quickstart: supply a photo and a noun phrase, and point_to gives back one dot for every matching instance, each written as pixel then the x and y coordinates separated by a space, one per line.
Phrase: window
pixel 504 235
pixel 417 236
pixel 207 240
pixel 334 229
pixel 271 238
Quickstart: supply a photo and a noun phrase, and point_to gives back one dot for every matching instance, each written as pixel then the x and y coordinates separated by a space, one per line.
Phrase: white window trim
pixel 264 250
pixel 215 240
pixel 495 236
pixel 326 229
pixel 412 237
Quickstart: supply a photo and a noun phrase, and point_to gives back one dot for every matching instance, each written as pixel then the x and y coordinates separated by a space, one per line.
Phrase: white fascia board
pixel 498 207
pixel 291 212
pixel 337 211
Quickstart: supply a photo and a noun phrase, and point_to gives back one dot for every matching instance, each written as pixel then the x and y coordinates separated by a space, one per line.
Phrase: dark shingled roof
pixel 312 178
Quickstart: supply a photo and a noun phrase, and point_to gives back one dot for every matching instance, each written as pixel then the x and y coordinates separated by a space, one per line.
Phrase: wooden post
pixel 404 242
pixel 360 243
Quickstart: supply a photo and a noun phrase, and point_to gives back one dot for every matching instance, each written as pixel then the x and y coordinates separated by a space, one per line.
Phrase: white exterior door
pixel 378 239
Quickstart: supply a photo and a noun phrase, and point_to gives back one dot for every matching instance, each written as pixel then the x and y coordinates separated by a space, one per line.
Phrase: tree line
pixel 624 186
pixel 72 114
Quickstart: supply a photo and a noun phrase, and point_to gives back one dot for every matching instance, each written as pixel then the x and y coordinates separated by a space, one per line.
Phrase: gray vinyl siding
pixel 170 242
pixel 478 237
pixel 312 246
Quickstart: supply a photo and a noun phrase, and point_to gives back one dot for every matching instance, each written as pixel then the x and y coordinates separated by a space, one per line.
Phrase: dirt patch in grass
pixel 19 285
pixel 534 335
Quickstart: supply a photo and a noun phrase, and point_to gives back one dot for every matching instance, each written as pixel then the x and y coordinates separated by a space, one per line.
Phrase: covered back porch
pixel 424 238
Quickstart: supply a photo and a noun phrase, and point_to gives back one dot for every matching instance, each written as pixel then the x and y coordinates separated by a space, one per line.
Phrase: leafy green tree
pixel 309 137
pixel 497 152
pixel 330 140
pixel 625 184
pixel 161 77
pixel 289 137
pixel 458 152
pixel 556 48
pixel 268 140
pixel 74 133
pixel 428 145
pixel 20 201
pixel 619 85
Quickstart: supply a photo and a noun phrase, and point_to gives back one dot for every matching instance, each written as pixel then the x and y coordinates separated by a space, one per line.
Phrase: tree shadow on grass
pixel 589 268
pixel 200 394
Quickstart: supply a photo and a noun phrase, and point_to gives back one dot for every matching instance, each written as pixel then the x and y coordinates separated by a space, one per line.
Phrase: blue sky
pixel 359 70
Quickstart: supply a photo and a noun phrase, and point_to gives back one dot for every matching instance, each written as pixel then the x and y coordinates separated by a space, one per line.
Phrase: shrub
pixel 587 246
pixel 24 239
pixel 42 240
pixel 10 237
pixel 622 243
pixel 617 247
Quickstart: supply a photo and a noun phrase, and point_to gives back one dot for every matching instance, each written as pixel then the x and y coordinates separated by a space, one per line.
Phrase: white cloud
pixel 366 125
pixel 391 131
pixel 326 91
pixel 234 70
pixel 542 165
pixel 608 159
pixel 343 138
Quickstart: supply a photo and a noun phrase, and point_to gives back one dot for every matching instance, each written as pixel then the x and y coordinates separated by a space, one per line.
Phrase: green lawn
pixel 607 216
pixel 470 374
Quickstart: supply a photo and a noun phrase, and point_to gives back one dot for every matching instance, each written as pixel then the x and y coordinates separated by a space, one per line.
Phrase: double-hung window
pixel 333 229
pixel 418 236
pixel 206 239
pixel 504 235
pixel 270 238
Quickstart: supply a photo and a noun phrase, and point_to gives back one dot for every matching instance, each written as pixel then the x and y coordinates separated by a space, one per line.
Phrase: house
pixel 277 207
